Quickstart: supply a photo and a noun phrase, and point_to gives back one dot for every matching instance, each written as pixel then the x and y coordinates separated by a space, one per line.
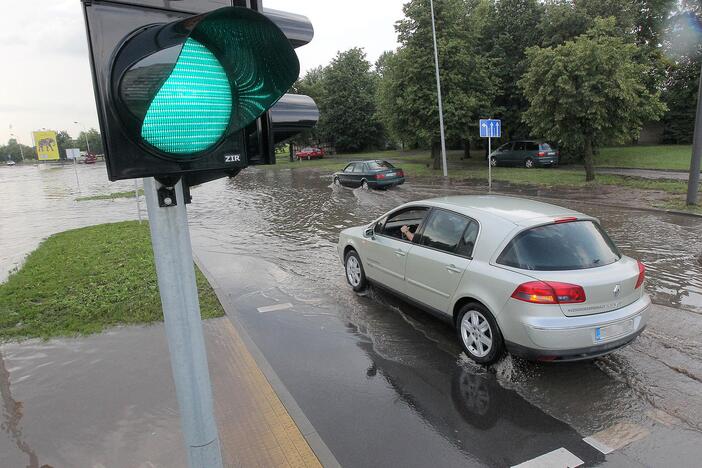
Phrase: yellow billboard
pixel 47 147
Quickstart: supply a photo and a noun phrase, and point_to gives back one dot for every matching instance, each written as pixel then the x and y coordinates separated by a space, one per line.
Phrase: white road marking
pixel 560 458
pixel 616 437
pixel 273 308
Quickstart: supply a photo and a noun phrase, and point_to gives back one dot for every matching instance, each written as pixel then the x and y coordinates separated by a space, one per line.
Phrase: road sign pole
pixel 75 169
pixel 181 312
pixel 693 184
pixel 438 89
pixel 489 165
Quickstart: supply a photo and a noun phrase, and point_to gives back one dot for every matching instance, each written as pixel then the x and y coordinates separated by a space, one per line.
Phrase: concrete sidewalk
pixel 109 400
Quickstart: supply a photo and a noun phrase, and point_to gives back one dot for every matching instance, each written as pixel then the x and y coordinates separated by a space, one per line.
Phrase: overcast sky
pixel 45 80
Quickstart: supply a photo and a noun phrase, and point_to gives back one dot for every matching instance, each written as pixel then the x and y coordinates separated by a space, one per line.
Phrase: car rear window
pixel 545 147
pixel 379 165
pixel 566 246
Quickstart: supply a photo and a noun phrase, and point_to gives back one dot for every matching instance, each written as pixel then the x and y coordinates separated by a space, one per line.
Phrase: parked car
pixel 90 159
pixel 526 153
pixel 310 153
pixel 11 163
pixel 370 174
pixel 537 280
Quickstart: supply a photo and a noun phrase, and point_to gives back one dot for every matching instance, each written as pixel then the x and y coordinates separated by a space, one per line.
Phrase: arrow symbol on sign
pixel 497 127
pixel 492 133
pixel 485 126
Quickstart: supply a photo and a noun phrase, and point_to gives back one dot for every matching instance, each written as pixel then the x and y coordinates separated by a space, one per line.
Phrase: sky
pixel 46 83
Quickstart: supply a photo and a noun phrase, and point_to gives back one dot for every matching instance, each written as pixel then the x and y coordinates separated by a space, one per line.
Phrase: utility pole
pixel 693 184
pixel 438 89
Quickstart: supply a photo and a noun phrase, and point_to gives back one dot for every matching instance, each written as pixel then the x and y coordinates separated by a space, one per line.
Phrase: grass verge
pixel 111 196
pixel 83 281
pixel 675 157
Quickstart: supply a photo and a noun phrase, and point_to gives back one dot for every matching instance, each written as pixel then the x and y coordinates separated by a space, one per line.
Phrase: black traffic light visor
pixel 169 81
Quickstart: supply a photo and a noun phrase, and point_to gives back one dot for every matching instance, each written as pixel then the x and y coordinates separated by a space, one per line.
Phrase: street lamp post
pixel 85 132
pixel 438 89
pixel 18 144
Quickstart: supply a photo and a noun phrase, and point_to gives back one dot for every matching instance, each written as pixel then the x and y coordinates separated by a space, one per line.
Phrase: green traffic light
pixel 192 109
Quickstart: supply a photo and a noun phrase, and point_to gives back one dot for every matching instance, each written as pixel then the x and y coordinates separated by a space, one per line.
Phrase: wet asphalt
pixel 385 384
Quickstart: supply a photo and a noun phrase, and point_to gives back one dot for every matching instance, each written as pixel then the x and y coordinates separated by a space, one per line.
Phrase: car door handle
pixel 400 253
pixel 452 268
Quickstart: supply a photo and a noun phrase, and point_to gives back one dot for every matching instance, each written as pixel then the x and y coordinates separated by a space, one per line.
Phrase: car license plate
pixel 390 174
pixel 613 331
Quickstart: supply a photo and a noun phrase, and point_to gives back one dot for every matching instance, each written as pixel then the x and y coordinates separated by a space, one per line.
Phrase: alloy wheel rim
pixel 365 185
pixel 353 271
pixel 493 162
pixel 529 163
pixel 476 333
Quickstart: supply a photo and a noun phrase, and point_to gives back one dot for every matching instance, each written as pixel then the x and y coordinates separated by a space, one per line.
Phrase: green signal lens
pixel 193 107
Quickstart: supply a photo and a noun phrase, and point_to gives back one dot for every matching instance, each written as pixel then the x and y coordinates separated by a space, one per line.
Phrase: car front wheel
pixel 479 334
pixel 355 275
pixel 493 162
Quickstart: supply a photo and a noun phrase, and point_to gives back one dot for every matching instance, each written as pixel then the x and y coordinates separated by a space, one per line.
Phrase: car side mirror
pixel 369 233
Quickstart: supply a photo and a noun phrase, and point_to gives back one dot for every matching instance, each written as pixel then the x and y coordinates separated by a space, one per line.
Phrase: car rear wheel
pixel 364 185
pixel 479 334
pixel 529 163
pixel 493 162
pixel 355 275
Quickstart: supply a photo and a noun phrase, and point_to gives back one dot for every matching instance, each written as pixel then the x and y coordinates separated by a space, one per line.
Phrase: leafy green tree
pixel 15 151
pixel 64 141
pixel 588 92
pixel 312 85
pixel 408 95
pixel 348 104
pixel 94 140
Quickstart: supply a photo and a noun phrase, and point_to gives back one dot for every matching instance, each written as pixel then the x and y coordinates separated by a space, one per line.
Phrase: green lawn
pixel 111 196
pixel 85 280
pixel 646 157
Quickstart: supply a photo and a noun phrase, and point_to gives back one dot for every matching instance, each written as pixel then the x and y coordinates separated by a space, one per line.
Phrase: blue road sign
pixel 490 128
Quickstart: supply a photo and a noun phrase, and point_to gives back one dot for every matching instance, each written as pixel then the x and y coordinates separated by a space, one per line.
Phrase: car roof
pixel 368 160
pixel 521 211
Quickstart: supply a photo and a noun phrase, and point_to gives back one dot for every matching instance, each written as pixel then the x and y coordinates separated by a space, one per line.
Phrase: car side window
pixel 531 146
pixel 505 147
pixel 358 167
pixel 520 146
pixel 410 217
pixel 349 168
pixel 444 230
pixel 467 244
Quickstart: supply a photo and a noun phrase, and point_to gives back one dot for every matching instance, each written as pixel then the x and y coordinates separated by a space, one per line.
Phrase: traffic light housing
pixel 187 94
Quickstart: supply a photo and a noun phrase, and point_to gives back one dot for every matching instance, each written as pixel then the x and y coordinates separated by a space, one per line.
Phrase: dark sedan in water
pixel 370 174
pixel 525 153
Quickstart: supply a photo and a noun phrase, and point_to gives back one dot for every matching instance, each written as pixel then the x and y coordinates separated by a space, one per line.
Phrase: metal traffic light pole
pixel 173 256
pixel 693 184
pixel 438 89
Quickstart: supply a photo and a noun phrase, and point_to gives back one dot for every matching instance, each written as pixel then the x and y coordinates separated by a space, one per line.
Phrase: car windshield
pixel 565 246
pixel 379 165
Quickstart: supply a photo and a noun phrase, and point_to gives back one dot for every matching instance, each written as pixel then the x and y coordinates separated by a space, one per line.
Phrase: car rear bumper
pixel 386 182
pixel 584 337
pixel 549 161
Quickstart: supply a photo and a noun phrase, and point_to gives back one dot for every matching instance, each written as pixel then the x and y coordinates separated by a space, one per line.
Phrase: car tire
pixel 364 184
pixel 337 182
pixel 493 162
pixel 529 163
pixel 479 334
pixel 355 274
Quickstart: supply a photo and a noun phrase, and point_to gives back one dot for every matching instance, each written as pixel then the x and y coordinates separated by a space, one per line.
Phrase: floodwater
pixel 292 219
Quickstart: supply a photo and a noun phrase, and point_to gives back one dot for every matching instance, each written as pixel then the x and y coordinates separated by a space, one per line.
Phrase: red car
pixel 310 153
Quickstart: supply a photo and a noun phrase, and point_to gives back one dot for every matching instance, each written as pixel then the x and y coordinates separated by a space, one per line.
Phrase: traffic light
pixel 184 91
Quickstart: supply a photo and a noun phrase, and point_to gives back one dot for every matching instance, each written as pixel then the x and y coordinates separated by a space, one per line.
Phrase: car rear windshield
pixel 566 246
pixel 379 165
pixel 545 147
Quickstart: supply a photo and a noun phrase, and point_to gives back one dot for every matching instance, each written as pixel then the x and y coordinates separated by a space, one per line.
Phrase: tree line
pixel 12 150
pixel 581 74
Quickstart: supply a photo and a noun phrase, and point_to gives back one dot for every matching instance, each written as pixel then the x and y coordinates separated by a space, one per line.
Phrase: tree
pixel 94 139
pixel 312 85
pixel 12 151
pixel 408 96
pixel 64 141
pixel 348 104
pixel 588 92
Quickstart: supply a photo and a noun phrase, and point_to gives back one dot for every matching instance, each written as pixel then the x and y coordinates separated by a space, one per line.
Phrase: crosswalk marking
pixel 560 458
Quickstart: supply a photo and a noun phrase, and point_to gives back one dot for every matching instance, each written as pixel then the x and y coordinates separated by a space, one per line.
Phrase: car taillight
pixel 400 173
pixel 541 154
pixel 380 176
pixel 549 292
pixel 642 275
pixel 568 219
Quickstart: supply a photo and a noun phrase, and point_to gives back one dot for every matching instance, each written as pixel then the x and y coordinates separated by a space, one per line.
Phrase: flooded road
pixel 371 371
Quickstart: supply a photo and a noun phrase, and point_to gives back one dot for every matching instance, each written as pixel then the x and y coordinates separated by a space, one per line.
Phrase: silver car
pixel 536 280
